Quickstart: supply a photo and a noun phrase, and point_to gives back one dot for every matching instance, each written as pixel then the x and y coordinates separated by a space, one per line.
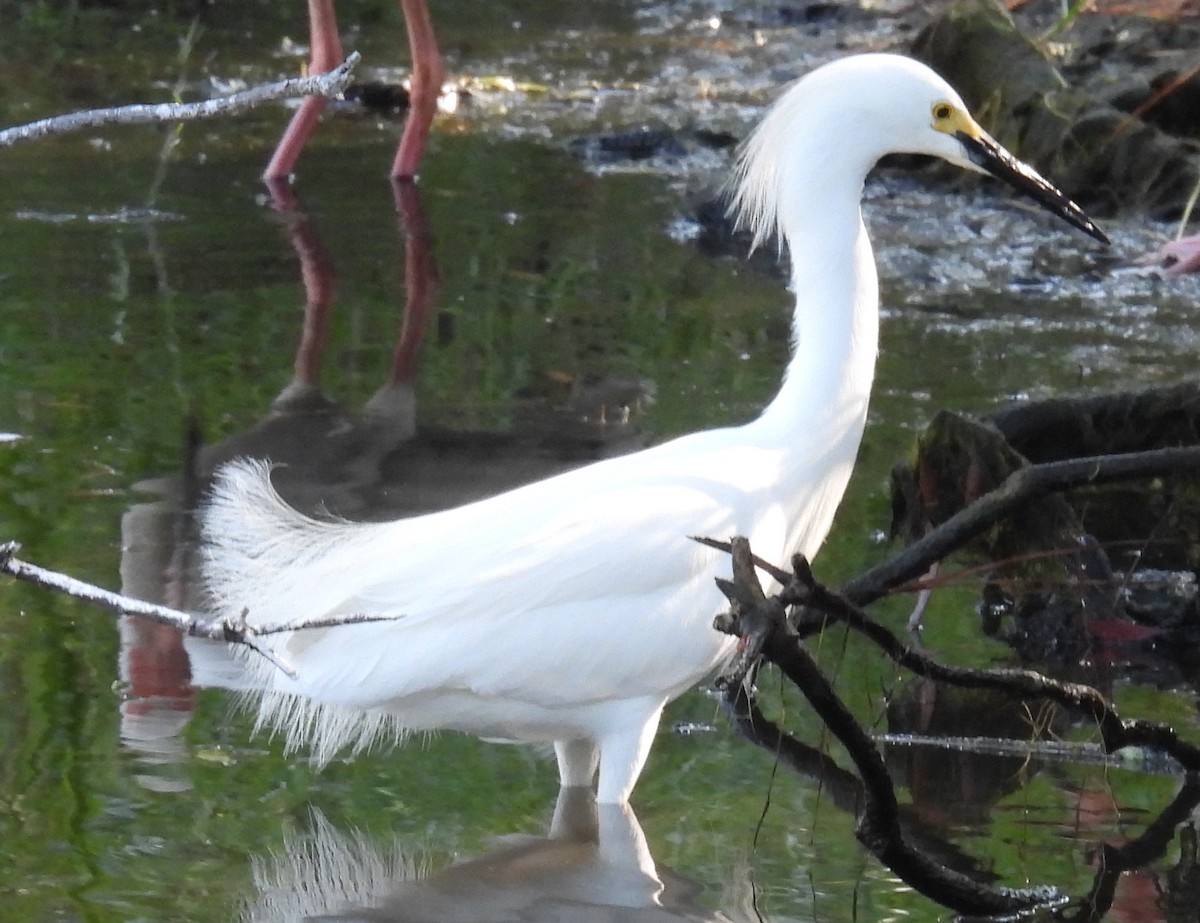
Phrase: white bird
pixel 573 609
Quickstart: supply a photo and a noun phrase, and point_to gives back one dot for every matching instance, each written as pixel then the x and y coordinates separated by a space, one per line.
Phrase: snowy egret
pixel 425 86
pixel 573 609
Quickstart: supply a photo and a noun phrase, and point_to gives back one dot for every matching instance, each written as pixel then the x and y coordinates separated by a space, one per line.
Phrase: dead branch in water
pixel 762 625
pixel 233 630
pixel 773 628
pixel 1021 487
pixel 765 631
pixel 329 84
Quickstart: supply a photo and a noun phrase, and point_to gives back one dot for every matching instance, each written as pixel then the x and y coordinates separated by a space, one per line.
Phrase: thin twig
pixel 234 631
pixel 98 596
pixel 329 84
pixel 777 573
pixel 229 629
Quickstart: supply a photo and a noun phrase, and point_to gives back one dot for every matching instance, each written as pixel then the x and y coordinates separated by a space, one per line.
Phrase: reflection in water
pixel 593 864
pixel 374 464
pixel 330 458
pixel 959 787
pixel 155 671
pixel 378 464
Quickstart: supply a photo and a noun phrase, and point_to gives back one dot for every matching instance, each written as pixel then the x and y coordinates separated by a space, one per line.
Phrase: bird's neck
pixel 835 328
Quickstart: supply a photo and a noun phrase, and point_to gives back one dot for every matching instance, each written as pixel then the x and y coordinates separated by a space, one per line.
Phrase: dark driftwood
pixel 1020 488
pixel 766 631
pixel 762 623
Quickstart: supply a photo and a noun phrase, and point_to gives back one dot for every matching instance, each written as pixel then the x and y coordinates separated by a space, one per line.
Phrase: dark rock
pixel 378 97
pixel 637 144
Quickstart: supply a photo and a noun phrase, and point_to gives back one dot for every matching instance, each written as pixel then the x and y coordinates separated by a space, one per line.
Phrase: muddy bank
pixel 1081 105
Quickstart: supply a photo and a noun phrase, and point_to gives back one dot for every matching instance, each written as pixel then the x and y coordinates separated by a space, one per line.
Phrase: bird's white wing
pixel 596 598
pixel 535 594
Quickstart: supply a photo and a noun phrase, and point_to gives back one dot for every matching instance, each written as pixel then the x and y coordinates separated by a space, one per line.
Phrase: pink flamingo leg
pixel 425 87
pixel 325 54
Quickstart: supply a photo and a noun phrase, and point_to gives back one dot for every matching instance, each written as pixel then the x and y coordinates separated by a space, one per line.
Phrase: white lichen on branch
pixel 329 84
pixel 234 631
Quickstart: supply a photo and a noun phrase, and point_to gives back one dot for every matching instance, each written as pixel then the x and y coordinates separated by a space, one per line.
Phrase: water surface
pixel 153 310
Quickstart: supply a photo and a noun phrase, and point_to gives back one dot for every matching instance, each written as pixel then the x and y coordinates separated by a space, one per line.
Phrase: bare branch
pixel 115 602
pixel 232 630
pixel 334 621
pixel 777 573
pixel 879 828
pixel 329 84
pixel 1019 488
pixel 803 590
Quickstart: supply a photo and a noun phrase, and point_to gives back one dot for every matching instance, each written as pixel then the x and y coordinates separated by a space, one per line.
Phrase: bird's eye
pixel 942 111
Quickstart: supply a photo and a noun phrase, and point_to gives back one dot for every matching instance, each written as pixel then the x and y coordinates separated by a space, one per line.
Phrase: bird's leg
pixel 325 53
pixel 918 612
pixel 623 754
pixel 576 762
pixel 425 86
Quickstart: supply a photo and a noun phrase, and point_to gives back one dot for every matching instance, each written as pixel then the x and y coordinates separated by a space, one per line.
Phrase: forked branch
pixel 761 623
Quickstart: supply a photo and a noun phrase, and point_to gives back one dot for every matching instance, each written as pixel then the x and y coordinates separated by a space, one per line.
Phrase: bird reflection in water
pixel 593 864
pixel 376 463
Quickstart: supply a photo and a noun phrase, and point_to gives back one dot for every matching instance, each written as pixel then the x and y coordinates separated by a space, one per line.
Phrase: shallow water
pixel 153 310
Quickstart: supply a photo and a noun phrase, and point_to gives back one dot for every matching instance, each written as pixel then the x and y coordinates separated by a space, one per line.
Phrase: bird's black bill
pixel 990 156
